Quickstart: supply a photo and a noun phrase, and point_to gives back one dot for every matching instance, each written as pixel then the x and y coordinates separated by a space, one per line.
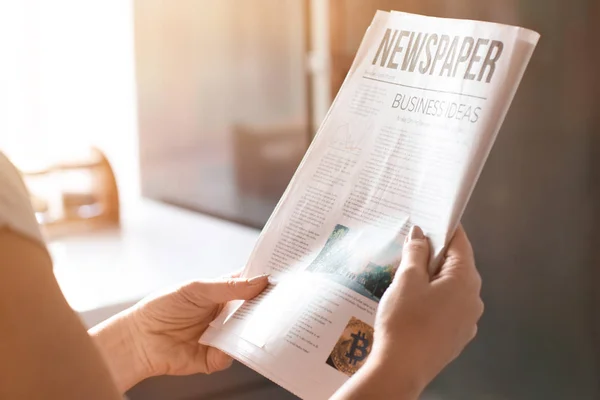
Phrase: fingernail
pixel 416 233
pixel 258 280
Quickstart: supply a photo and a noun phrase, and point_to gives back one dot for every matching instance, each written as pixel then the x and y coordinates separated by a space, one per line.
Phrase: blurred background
pixel 209 106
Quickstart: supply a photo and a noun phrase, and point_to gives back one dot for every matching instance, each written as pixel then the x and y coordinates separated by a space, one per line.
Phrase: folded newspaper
pixel 403 144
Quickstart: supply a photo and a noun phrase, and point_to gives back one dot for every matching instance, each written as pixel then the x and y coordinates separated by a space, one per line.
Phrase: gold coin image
pixel 352 348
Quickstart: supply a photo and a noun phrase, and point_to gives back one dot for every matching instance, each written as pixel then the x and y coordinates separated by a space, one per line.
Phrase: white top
pixel 16 211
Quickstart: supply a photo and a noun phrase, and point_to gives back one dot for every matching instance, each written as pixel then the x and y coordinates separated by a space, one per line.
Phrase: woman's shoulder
pixel 16 212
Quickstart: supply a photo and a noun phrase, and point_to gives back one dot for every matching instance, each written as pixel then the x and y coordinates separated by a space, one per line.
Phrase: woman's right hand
pixel 423 322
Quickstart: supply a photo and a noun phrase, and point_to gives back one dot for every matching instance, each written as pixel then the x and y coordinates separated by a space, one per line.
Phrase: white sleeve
pixel 16 211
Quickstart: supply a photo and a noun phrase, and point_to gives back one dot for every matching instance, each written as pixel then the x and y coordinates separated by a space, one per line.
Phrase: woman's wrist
pixel 382 378
pixel 117 344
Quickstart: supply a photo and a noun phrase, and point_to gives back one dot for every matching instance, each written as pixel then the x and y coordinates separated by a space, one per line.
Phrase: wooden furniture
pixel 75 194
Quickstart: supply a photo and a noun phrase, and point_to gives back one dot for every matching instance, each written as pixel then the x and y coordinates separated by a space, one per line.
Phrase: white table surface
pixel 157 246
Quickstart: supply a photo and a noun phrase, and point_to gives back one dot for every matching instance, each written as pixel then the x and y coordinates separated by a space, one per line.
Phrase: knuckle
pixel 210 369
pixel 232 284
pixel 468 275
pixel 416 246
pixel 474 333
pixel 451 260
pixel 473 285
pixel 188 289
pixel 480 308
pixel 477 281
pixel 192 292
pixel 410 272
pixel 195 286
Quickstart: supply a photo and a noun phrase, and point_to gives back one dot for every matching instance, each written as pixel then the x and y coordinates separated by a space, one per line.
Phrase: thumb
pixel 415 254
pixel 224 290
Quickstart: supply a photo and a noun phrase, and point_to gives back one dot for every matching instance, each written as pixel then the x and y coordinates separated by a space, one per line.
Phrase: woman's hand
pixel 159 336
pixel 422 323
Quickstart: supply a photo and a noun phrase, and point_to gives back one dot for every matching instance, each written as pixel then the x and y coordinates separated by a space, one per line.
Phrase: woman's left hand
pixel 159 335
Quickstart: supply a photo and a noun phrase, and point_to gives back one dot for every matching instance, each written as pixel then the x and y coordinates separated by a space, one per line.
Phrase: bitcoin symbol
pixel 353 347
pixel 359 343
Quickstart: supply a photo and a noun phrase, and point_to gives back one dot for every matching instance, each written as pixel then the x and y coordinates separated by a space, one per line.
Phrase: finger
pixel 474 332
pixel 460 261
pixel 224 290
pixel 460 246
pixel 459 255
pixel 415 254
pixel 216 360
pixel 480 308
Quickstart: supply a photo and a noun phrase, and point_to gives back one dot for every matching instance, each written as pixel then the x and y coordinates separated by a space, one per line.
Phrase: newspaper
pixel 403 144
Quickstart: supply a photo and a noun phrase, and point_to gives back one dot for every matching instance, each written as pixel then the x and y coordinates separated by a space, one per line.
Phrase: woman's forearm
pixel 117 345
pixel 46 352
